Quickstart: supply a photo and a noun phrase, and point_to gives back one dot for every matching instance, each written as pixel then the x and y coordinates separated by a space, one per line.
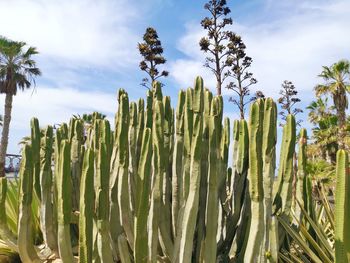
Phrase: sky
pixel 88 50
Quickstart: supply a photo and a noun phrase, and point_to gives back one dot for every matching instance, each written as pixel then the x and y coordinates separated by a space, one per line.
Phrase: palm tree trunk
pixel 5 133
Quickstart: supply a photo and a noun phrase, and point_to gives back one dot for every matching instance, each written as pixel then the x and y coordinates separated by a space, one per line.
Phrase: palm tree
pixel 17 71
pixel 336 79
pixel 325 130
pixel 319 110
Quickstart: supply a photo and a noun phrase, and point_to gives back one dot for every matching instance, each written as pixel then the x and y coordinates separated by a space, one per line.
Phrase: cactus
pixel 64 203
pixel 191 206
pixel 301 173
pixel 255 182
pixel 26 247
pixel 269 165
pixel 86 208
pixel 177 161
pixel 35 140
pixel 342 209
pixel 159 188
pixel 142 195
pixel 212 209
pixel 46 209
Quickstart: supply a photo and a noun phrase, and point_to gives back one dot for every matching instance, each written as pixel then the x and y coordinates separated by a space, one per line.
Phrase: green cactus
pixel 269 165
pixel 123 197
pixel 86 209
pixel 142 195
pixel 191 206
pixel 25 244
pixel 35 141
pixel 342 209
pixel 240 147
pixel 160 187
pixel 177 161
pixel 188 127
pixel 158 170
pixel 76 139
pixel 64 202
pixel 301 173
pixel 132 151
pixel 46 183
pixel 212 209
pixel 255 182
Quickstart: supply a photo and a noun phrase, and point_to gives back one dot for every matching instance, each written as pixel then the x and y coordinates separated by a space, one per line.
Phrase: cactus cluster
pixel 159 187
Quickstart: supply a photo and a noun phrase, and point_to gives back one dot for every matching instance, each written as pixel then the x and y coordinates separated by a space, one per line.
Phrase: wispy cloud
pixel 82 32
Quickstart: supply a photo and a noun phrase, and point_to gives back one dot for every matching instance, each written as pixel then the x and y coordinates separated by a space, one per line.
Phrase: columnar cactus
pixel 191 206
pixel 87 198
pixel 159 188
pixel 342 209
pixel 46 206
pixel 64 203
pixel 25 244
pixel 255 182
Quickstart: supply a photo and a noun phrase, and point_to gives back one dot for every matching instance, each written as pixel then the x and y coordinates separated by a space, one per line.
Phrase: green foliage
pixel 17 68
pixel 337 84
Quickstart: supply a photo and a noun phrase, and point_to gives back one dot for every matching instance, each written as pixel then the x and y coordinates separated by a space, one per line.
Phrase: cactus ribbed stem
pixel 64 203
pixel 121 191
pixel 208 96
pixel 46 208
pixel 302 173
pixel 158 170
pixel 142 196
pixel 342 209
pixel 87 198
pixel 191 206
pixel 212 209
pixel 188 127
pixel 76 157
pixel 269 166
pixel 25 232
pixel 255 182
pixel 177 162
pixel 35 141
pixel 166 239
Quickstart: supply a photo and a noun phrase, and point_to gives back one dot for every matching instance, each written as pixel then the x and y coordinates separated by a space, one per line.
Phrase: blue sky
pixel 88 49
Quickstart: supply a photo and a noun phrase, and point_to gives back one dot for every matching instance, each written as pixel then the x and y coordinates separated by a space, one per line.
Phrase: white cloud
pixel 292 46
pixel 54 106
pixel 82 32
